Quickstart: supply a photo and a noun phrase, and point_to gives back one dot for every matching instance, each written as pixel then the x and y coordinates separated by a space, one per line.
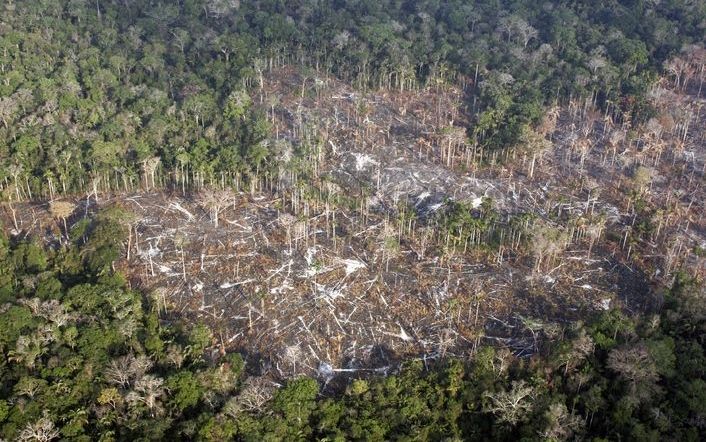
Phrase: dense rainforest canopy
pixel 118 93
pixel 124 95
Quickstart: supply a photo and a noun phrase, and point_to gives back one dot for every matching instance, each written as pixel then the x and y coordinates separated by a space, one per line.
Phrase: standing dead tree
pixel 215 201
pixel 43 430
pixel 62 210
pixel 451 137
pixel 511 406
pixel 8 194
pixel 149 167
pixel 548 242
